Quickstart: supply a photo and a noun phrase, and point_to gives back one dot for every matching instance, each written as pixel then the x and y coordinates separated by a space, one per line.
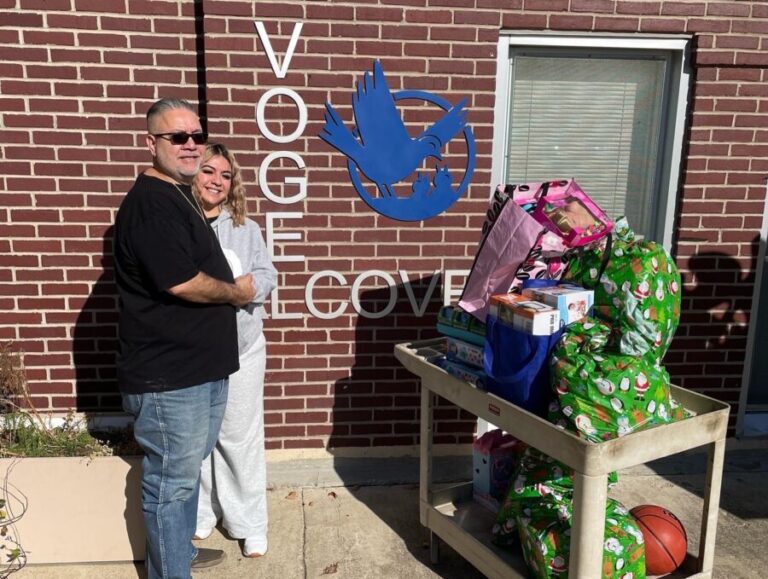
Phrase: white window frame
pixel 675 128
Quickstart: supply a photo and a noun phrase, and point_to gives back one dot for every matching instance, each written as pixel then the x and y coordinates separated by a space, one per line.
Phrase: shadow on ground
pixel 378 404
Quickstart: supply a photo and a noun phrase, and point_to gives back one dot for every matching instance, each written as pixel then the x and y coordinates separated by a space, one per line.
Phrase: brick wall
pixel 77 76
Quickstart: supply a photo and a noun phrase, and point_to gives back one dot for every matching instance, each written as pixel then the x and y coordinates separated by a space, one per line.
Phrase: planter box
pixel 79 509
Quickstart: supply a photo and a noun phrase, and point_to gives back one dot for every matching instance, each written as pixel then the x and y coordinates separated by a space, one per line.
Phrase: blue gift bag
pixel 517 365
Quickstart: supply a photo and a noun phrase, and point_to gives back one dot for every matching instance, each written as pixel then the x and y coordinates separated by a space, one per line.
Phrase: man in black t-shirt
pixel 178 338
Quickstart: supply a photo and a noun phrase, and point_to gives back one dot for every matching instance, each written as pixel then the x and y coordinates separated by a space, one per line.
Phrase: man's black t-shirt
pixel 168 343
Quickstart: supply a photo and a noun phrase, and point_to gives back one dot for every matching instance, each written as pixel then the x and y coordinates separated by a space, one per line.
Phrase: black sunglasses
pixel 182 138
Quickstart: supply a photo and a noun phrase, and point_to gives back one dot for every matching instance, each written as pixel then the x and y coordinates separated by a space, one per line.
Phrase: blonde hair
pixel 235 202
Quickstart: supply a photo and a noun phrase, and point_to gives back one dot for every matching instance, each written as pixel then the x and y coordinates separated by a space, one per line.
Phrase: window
pixel 608 111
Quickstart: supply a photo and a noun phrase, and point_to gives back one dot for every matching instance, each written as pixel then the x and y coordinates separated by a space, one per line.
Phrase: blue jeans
pixel 177 430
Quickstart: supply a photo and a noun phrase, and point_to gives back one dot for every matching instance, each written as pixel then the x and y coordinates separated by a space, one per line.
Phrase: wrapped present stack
pixel 616 300
pixel 538 511
pixel 607 369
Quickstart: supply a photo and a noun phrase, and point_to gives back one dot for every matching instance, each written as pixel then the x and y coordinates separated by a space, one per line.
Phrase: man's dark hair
pixel 167 104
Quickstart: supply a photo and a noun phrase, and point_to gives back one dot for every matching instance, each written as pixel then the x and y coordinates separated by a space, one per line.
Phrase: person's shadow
pixel 378 404
pixel 95 342
pixel 721 286
pixel 94 353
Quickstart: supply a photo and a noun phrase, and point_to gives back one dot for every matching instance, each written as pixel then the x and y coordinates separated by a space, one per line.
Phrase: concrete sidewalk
pixel 358 518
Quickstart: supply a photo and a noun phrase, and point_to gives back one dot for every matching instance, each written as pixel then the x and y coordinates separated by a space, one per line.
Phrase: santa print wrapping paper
pixel 638 294
pixel 603 395
pixel 539 508
pixel 546 543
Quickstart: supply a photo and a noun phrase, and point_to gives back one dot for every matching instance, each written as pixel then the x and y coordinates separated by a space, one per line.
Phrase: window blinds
pixel 594 119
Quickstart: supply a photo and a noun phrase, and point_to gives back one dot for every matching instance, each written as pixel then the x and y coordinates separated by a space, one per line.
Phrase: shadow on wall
pixel 711 343
pixel 717 304
pixel 378 404
pixel 724 289
pixel 95 344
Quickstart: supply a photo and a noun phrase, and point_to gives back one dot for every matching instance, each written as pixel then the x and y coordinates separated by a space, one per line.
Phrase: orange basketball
pixel 665 539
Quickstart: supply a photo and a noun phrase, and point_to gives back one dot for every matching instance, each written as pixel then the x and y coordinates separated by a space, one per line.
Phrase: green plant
pixel 25 432
pixel 23 437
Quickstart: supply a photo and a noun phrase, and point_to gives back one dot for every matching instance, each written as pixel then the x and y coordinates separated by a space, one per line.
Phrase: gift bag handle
pixel 603 263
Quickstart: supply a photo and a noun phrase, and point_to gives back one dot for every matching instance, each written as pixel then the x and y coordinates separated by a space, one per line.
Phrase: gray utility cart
pixel 450 513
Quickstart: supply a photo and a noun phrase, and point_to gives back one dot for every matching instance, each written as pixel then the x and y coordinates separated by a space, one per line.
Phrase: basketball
pixel 665 539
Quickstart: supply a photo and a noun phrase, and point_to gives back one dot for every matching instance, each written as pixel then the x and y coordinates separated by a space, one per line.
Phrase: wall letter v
pixel 280 70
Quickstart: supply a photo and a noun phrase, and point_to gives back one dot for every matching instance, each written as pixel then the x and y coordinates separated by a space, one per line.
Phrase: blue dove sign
pixel 380 148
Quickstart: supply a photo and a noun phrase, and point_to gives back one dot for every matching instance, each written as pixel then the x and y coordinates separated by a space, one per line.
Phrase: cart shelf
pixel 450 514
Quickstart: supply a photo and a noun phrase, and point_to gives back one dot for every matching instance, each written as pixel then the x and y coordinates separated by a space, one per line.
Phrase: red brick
pixel 429 16
pixel 99 5
pixel 642 8
pixel 684 8
pixel 25 54
pixel 431 50
pixel 733 135
pixel 134 24
pixel 716 89
pixel 739 74
pixel 102 40
pixel 333 12
pixel 523 21
pixel 229 8
pixel 75 55
pixel 452 33
pixel 747 42
pixel 452 3
pixel 727 9
pixel 708 25
pixel 751 59
pixel 463 17
pixel 22 19
pixel 570 22
pixel 617 24
pixel 9 70
pixel 23 87
pixel 153 7
pixel 79 89
pixel 604 6
pixel 546 5
pixel 306 417
pixel 662 25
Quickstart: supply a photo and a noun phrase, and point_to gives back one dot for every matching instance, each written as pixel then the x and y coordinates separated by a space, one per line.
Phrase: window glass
pixel 592 117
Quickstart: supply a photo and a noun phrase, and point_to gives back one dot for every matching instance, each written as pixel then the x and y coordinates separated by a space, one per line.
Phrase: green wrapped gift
pixel 637 294
pixel 546 543
pixel 539 483
pixel 603 395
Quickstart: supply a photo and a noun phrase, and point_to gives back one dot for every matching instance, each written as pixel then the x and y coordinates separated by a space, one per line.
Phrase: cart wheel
pixel 434 548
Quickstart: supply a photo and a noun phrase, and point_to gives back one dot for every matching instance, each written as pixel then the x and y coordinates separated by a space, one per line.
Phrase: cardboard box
pixel 464 352
pixel 494 457
pixel 474 376
pixel 525 314
pixel 573 302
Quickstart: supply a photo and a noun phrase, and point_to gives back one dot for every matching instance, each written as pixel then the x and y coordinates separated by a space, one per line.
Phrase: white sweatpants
pixel 233 480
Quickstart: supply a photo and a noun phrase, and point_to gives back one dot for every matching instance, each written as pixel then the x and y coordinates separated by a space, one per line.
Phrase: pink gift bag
pixel 508 235
pixel 564 209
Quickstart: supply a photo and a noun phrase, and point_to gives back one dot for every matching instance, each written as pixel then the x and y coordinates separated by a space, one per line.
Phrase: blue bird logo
pixel 380 147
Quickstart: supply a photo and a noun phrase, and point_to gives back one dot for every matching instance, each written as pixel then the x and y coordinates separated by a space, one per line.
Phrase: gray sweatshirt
pixel 246 252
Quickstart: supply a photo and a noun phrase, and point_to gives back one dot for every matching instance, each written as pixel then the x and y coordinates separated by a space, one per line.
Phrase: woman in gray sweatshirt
pixel 237 464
